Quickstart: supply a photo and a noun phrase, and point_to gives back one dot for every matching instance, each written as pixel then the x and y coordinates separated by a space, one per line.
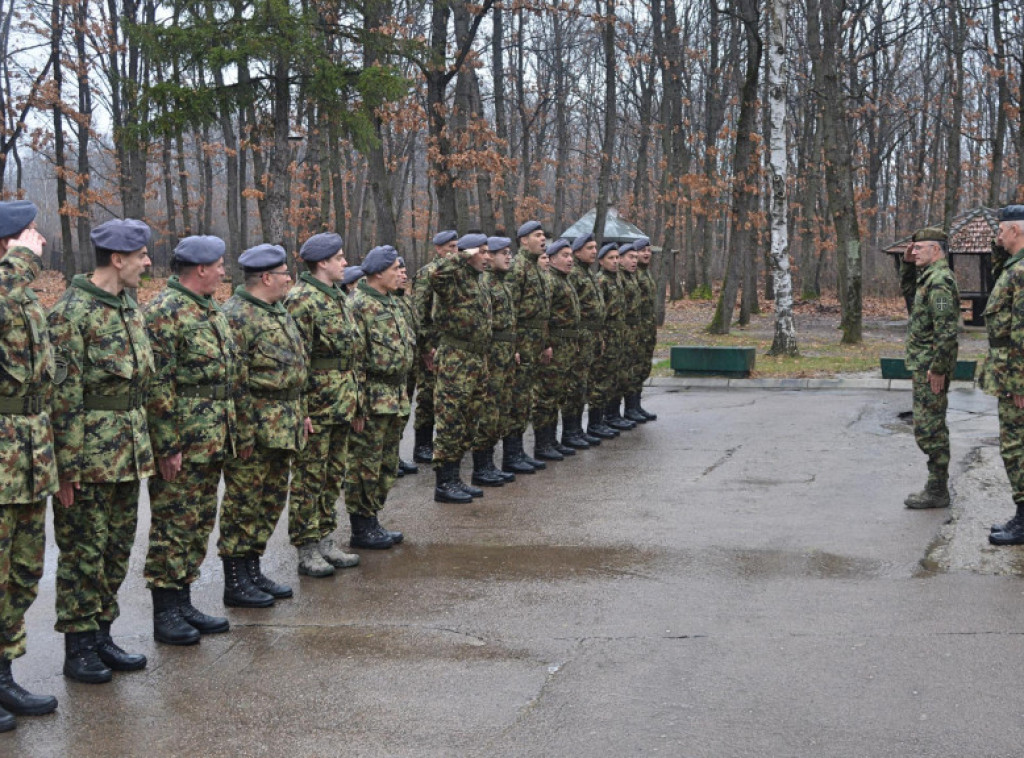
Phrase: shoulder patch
pixel 60 371
pixel 942 302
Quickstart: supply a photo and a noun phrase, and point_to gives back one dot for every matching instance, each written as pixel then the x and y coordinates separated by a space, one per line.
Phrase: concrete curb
pixel 725 383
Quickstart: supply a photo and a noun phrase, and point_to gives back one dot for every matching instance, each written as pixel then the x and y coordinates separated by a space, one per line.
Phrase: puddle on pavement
pixel 814 564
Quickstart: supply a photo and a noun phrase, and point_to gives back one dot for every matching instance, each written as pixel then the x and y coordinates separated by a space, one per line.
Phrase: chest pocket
pixel 202 358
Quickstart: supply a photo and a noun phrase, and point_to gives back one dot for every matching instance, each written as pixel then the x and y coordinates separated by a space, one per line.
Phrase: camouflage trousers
pixel 255 493
pixel 605 376
pixel 649 334
pixel 553 381
pixel 318 474
pixel 930 428
pixel 633 359
pixel 183 513
pixel 529 344
pixel 426 381
pixel 458 401
pixel 22 541
pixel 1011 445
pixel 582 371
pixel 495 396
pixel 95 537
pixel 371 463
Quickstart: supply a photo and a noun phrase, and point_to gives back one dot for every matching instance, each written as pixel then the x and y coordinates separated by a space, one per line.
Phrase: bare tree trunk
pixel 508 213
pixel 957 25
pixel 1002 104
pixel 608 142
pixel 84 123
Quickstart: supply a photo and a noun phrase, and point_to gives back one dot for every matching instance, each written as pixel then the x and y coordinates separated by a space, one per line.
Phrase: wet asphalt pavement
pixel 738 578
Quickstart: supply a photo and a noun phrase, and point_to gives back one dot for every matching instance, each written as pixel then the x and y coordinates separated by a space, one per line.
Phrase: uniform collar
pixel 366 289
pixel 204 300
pixel 81 281
pixel 328 289
pixel 275 308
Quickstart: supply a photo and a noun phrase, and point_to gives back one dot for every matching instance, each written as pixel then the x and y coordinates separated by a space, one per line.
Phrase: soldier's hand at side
pixel 246 453
pixel 358 424
pixel 66 493
pixel 937 382
pixel 517 359
pixel 428 360
pixel 169 467
pixel 545 357
pixel 307 427
pixel 31 239
pixel 1018 401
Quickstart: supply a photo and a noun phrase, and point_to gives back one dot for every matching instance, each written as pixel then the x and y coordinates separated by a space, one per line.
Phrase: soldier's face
pixel 588 253
pixel 480 258
pixel 562 260
pixel 389 278
pixel 1010 236
pixel 610 262
pixel 335 266
pixel 133 266
pixel 209 277
pixel 277 281
pixel 446 249
pixel 644 256
pixel 627 261
pixel 543 261
pixel 502 260
pixel 403 277
pixel 926 253
pixel 536 242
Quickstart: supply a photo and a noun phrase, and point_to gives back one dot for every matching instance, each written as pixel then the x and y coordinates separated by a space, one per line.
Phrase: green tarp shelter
pixel 616 228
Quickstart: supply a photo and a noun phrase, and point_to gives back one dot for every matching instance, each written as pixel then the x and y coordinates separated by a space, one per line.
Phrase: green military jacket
pixel 934 319
pixel 423 305
pixel 648 290
pixel 105 366
pixel 462 304
pixel 632 297
pixel 564 323
pixel 336 371
pixel 191 406
pixel 271 408
pixel 614 299
pixel 533 294
pixel 1004 320
pixel 503 307
pixel 408 308
pixel 28 468
pixel 588 292
pixel 387 345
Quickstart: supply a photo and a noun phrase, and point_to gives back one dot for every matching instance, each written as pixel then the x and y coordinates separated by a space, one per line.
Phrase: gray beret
pixel 352 274
pixel 15 216
pixel 401 262
pixel 443 238
pixel 121 236
pixel 320 247
pixel 379 259
pixel 262 257
pixel 1006 213
pixel 641 243
pixel 494 244
pixel 557 245
pixel 472 240
pixel 579 242
pixel 626 247
pixel 607 249
pixel 200 250
pixel 528 228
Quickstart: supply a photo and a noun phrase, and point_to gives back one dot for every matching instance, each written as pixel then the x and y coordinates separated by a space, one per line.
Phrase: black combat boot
pixel 537 465
pixel 572 435
pixel 112 654
pixel 396 537
pixel 510 460
pixel 263 582
pixel 633 410
pixel 1013 533
pixel 366 533
pixel 544 445
pixel 169 624
pixel 239 591
pixel 591 439
pixel 17 700
pixel 596 426
pixel 506 476
pixel 446 487
pixel 201 622
pixel 81 662
pixel 469 489
pixel 7 721
pixel 614 419
pixel 650 416
pixel 408 468
pixel 424 450
pixel 483 474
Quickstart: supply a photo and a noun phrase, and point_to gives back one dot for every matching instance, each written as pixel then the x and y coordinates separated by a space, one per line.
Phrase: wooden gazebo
pixel 970 256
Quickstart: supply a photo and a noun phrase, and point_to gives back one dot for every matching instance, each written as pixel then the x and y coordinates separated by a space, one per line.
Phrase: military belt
pixel 127 402
pixel 284 395
pixel 503 336
pixel 1000 342
pixel 591 325
pixel 565 333
pixel 28 405
pixel 391 380
pixel 207 391
pixel 631 321
pixel 534 323
pixel 335 363
pixel 470 347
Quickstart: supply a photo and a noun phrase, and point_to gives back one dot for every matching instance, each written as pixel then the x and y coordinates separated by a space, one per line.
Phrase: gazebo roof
pixel 616 228
pixel 970 234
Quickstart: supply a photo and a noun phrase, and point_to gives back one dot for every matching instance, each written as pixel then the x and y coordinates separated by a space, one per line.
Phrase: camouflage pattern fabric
pixel 632 334
pixel 1004 321
pixel 934 320
pixel 22 540
pixel 255 493
pixel 182 515
pixel 930 428
pixel 532 296
pixel 318 475
pixel 555 377
pixel 496 392
pixel 95 537
pixel 1011 445
pixel 592 316
pixel 371 466
pixel 28 468
pixel 648 320
pixel 426 340
pixel 608 370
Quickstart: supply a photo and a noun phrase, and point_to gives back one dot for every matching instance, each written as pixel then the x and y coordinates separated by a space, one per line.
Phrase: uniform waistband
pixel 389 379
pixel 207 391
pixel 283 395
pixel 27 405
pixel 565 333
pixel 591 325
pixel 503 336
pixel 631 321
pixel 534 323
pixel 470 347
pixel 131 400
pixel 1000 342
pixel 331 363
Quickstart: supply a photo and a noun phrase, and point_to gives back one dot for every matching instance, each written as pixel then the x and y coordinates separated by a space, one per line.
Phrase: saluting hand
pixel 30 238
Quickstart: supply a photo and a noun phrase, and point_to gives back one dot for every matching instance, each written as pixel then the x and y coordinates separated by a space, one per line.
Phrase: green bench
pixel 693 360
pixel 896 368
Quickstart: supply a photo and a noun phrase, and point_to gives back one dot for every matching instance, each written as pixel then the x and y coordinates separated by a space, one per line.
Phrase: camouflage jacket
pixel 1004 320
pixel 632 297
pixel 588 291
pixel 407 306
pixel 908 280
pixel 532 291
pixel 321 313
pixel 503 309
pixel 614 298
pixel 28 469
pixel 462 304
pixel 648 289
pixel 271 408
pixel 99 414
pixel 931 342
pixel 565 308
pixel 191 406
pixel 423 305
pixel 387 346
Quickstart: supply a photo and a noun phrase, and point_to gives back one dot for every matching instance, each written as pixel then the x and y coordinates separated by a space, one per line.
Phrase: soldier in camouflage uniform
pixel 931 356
pixel 648 322
pixel 607 370
pixel 28 469
pixel 462 318
pixel 271 413
pixel 408 308
pixel 1004 366
pixel 632 333
pixel 193 427
pixel 584 282
pixel 319 307
pixel 386 345
pixel 445 243
pixel 532 291
pixel 102 443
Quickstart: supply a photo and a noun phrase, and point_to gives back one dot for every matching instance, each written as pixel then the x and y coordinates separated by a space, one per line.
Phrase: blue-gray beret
pixel 352 274
pixel 472 240
pixel 1006 213
pixel 443 238
pixel 15 216
pixel 555 246
pixel 262 257
pixel 320 247
pixel 200 250
pixel 607 249
pixel 379 259
pixel 641 243
pixel 528 228
pixel 626 247
pixel 401 262
pixel 579 242
pixel 494 244
pixel 121 236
